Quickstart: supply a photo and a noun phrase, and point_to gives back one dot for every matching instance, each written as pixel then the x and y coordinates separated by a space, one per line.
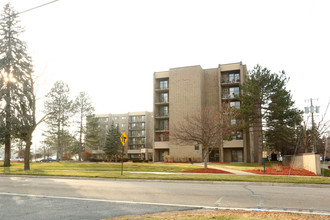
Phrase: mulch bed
pixel 282 171
pixel 206 170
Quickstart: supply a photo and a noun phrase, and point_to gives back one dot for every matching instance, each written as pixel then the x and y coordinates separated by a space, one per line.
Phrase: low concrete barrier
pixel 307 161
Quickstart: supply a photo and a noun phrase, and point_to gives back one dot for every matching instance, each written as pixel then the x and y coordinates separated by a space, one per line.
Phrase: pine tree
pixel 267 103
pixel 60 108
pixel 113 143
pixel 16 70
pixel 84 109
pixel 92 137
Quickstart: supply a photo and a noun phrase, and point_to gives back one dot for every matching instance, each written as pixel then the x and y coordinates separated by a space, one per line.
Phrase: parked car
pixel 47 160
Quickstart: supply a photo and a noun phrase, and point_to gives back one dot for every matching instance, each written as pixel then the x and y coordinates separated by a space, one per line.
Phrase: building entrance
pixel 236 155
pixel 161 154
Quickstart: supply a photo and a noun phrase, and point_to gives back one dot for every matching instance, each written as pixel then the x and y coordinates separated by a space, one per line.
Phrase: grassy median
pixel 112 170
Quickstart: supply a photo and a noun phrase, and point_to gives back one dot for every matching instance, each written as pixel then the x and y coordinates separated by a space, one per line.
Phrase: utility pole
pixel 312 109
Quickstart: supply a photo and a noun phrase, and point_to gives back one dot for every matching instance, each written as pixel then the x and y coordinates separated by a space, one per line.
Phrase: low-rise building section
pixel 138 127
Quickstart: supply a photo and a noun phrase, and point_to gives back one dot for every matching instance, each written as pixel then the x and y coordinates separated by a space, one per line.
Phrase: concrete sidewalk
pixel 236 172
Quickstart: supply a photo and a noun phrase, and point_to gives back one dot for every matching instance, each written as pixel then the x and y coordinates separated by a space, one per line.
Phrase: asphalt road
pixel 26 197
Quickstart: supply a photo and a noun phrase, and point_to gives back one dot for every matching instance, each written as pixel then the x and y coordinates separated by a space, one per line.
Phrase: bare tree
pixel 206 128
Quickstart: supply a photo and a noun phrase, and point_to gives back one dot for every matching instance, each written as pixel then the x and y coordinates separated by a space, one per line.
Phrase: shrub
pixel 67 156
pixel 86 155
pixel 92 159
pixel 168 159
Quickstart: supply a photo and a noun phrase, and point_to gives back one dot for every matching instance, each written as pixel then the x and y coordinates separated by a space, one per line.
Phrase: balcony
pixel 161 139
pixel 136 142
pixel 136 147
pixel 162 116
pixel 230 82
pixel 137 121
pixel 230 96
pixel 136 128
pixel 162 102
pixel 161 129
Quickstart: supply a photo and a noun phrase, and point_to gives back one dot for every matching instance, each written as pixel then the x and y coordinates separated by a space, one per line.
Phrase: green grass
pixel 112 170
pixel 143 167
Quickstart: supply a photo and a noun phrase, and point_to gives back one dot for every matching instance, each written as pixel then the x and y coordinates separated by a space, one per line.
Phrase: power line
pixel 30 9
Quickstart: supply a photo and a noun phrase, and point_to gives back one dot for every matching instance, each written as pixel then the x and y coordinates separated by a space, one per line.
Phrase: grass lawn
pixel 112 170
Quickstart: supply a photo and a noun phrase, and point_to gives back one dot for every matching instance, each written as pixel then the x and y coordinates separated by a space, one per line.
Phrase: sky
pixel 111 48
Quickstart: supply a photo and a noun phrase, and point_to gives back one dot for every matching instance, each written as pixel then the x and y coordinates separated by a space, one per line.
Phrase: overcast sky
pixel 110 49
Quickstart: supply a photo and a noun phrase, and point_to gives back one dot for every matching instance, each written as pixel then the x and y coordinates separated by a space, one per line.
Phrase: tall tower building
pixel 186 90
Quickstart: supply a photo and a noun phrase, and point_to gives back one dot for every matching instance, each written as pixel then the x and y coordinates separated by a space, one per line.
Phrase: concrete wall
pixel 307 161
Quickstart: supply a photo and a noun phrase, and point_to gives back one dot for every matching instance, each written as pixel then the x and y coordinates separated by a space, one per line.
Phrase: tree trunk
pixel 260 137
pixel 206 156
pixel 28 143
pixel 80 139
pixel 7 151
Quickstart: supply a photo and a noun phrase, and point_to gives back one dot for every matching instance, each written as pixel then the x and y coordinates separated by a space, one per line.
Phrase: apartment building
pixel 187 90
pixel 138 127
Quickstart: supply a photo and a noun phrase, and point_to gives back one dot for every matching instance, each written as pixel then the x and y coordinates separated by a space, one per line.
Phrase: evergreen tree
pixel 60 108
pixel 16 69
pixel 92 137
pixel 84 109
pixel 113 144
pixel 267 103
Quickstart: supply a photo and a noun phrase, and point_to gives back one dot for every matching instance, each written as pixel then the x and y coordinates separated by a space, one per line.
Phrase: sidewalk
pixel 235 172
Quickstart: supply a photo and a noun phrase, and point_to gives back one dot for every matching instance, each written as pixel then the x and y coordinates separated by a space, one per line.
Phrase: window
pixel 143 118
pixel 163 111
pixel 123 117
pixel 234 77
pixel 237 136
pixel 116 118
pixel 163 124
pixel 117 125
pixel 123 125
pixel 234 92
pixel 196 147
pixel 134 156
pixel 163 84
pixel 235 104
pixel 142 125
pixel 163 97
pixel 143 133
pixel 134 125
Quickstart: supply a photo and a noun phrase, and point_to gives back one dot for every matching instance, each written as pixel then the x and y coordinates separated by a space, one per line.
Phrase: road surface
pixel 82 198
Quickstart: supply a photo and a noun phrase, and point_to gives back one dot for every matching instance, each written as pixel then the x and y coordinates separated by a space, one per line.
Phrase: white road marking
pixel 163 204
pixel 218 202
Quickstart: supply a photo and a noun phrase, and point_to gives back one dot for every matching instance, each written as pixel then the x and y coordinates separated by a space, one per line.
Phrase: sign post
pixel 123 139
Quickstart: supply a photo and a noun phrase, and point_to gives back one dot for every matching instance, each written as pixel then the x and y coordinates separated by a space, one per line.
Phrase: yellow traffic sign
pixel 123 138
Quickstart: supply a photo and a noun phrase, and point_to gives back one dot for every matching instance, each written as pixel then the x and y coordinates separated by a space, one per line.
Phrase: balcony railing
pixel 136 121
pixel 161 88
pixel 162 102
pixel 162 139
pixel 161 129
pixel 162 116
pixel 136 128
pixel 234 81
pixel 230 96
